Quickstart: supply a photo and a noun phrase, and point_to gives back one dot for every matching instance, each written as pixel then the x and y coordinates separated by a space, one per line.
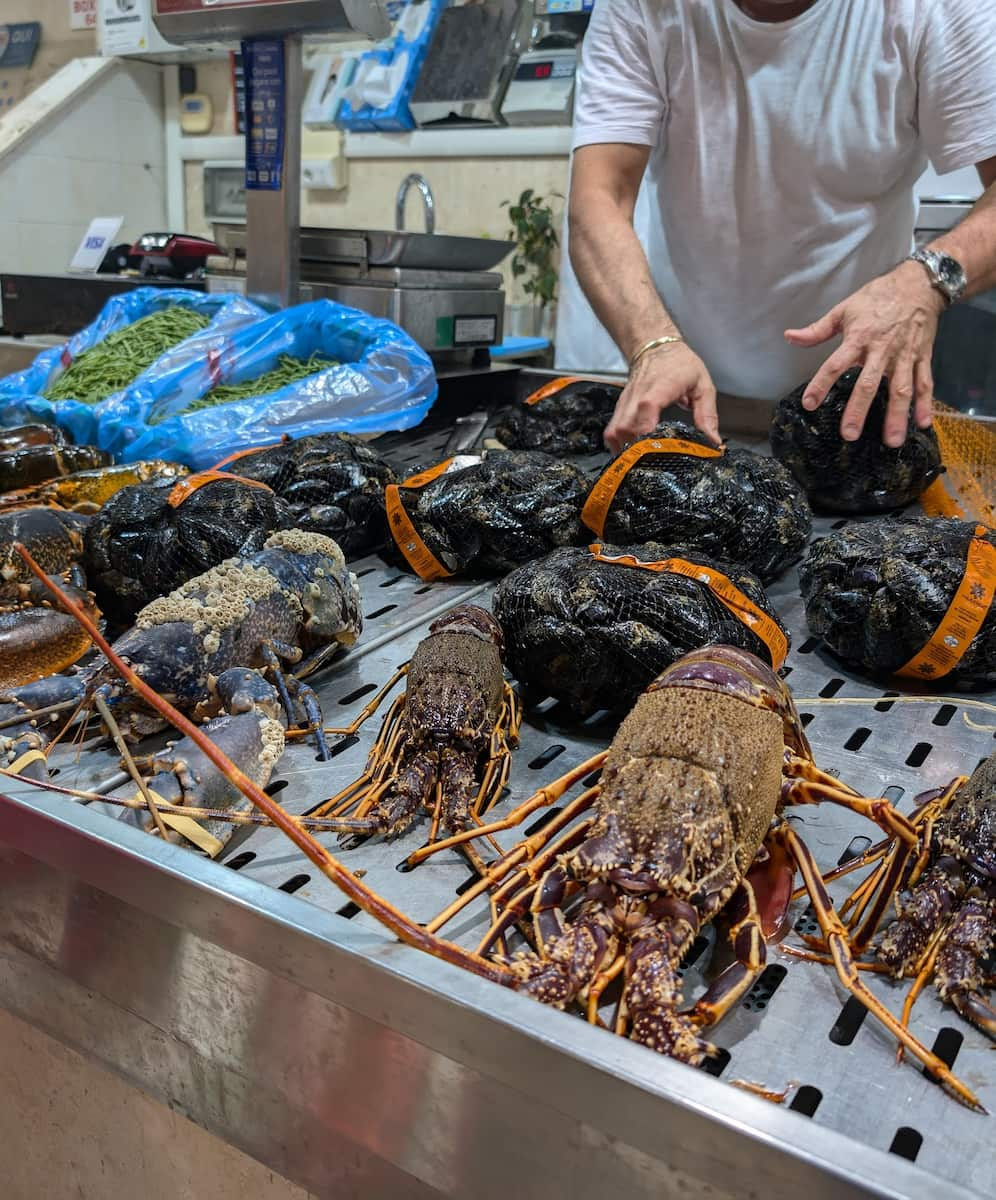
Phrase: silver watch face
pixel 946 272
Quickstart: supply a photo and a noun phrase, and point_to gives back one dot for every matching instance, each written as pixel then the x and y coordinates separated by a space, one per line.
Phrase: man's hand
pixel 888 328
pixel 669 375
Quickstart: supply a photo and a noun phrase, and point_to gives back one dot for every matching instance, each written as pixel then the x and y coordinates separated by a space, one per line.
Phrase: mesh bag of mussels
pixel 567 416
pixel 741 506
pixel 595 634
pixel 864 476
pixel 491 516
pixel 331 484
pixel 139 546
pixel 877 591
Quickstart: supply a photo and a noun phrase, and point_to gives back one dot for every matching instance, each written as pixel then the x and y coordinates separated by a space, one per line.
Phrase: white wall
pixel 99 153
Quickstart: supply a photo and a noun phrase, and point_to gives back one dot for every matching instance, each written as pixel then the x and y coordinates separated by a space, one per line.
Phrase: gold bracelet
pixel 652 345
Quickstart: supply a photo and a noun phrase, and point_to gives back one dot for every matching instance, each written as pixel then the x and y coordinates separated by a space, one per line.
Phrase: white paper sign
pixel 97 240
pixel 82 14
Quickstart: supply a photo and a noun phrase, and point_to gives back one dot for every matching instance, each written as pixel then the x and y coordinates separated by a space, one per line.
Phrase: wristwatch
pixel 946 273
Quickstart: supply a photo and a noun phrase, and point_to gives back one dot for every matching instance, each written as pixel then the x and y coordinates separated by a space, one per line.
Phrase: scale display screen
pixel 550 68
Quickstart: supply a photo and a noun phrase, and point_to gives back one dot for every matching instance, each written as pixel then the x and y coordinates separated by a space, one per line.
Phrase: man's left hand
pixel 888 328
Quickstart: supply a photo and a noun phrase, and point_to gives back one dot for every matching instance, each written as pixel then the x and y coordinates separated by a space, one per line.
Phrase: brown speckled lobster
pixel 684 823
pixel 445 743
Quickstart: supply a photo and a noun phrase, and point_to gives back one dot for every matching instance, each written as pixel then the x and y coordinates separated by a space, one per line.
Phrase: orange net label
pixel 596 507
pixel 406 537
pixel 551 388
pixel 186 487
pixel 721 586
pixel 963 620
pixel 226 462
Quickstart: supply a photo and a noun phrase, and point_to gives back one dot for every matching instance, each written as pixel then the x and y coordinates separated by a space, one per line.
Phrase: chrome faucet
pixel 427 201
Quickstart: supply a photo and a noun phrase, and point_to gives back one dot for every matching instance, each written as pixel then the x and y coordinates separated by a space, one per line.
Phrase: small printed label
pixel 475 331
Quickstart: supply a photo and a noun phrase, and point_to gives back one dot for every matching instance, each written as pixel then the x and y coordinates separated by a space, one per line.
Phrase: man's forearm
pixel 973 244
pixel 613 271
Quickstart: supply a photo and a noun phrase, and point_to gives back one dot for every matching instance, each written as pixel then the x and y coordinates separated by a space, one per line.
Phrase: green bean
pixel 289 370
pixel 122 356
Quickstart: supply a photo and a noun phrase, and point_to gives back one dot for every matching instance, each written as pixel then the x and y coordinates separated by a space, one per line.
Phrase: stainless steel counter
pixel 249 995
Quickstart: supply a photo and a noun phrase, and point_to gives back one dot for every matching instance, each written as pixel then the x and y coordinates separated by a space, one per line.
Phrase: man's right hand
pixel 666 376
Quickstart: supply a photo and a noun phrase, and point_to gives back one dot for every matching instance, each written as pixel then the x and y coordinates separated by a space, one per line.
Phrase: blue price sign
pixel 18 43
pixel 263 66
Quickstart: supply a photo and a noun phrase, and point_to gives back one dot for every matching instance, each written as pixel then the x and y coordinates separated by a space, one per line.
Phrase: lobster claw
pixel 736 672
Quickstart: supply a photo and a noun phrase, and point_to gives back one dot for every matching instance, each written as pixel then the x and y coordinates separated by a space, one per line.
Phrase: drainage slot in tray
pixel 946 1046
pixel 347 740
pixel 807 923
pixel 276 786
pixel 906 1143
pixel 240 860
pixel 592 778
pixel 806 1100
pixel 543 819
pixel 363 690
pixel 887 701
pixel 379 612
pixel 769 982
pixel 894 793
pixel 348 910
pixel 806 719
pixel 695 951
pixel 547 757
pixel 716 1066
pixel 295 883
pixel 392 581
pixel 854 849
pixel 918 755
pixel 831 688
pixel 944 714
pixel 809 645
pixel 857 739
pixel 850 1020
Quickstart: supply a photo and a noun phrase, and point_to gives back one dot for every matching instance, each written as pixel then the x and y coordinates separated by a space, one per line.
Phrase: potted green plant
pixel 534 262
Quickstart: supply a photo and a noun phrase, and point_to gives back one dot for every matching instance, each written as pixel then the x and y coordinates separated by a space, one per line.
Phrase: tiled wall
pixel 100 155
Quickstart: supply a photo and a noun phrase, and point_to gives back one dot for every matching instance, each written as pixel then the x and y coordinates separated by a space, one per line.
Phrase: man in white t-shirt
pixel 784 139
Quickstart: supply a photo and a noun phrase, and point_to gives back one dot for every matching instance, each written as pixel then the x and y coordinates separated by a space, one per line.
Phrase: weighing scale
pixel 542 88
pixel 271 52
pixel 441 290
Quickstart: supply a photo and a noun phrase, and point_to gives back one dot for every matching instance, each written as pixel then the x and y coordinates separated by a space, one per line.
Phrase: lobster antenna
pixel 376 906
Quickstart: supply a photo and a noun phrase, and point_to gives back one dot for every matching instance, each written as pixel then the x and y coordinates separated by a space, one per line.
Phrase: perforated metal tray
pixel 798 1025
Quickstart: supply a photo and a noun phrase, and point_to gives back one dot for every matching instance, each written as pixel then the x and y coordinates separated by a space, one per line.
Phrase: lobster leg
pixel 402 926
pixel 273 653
pixel 399 803
pixel 512 860
pixel 369 709
pixel 304 694
pixel 968 944
pixel 838 943
pixel 541 799
pixel 747 939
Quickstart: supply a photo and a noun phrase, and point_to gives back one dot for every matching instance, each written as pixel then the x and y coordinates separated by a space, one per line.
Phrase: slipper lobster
pixel 445 742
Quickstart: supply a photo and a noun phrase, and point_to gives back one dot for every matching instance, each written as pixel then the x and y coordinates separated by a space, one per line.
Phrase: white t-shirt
pixel 784 154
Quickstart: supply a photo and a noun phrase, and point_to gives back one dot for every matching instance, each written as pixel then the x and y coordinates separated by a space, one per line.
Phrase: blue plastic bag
pixel 22 395
pixel 383 381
